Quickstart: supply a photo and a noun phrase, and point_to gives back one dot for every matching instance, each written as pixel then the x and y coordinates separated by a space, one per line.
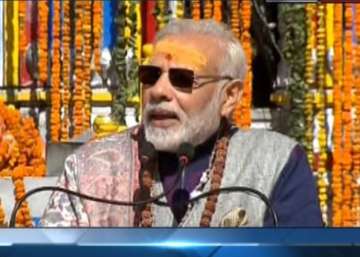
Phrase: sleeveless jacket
pixel 108 168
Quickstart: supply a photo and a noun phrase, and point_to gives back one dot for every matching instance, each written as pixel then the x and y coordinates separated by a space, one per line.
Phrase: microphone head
pixel 147 152
pixel 185 153
pixel 180 201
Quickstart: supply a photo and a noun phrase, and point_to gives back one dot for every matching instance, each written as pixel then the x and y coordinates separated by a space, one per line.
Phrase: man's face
pixel 173 116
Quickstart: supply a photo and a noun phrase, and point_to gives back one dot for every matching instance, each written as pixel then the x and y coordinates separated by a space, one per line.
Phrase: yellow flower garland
pixel 320 110
pixel 309 79
pixel 337 183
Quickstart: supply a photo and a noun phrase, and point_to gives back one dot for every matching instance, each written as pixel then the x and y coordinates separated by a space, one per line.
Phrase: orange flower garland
pixel 65 124
pixel 346 119
pixel 337 184
pixel 217 10
pixel 55 77
pixel 78 94
pixel 21 154
pixel 242 114
pixel 235 20
pixel 356 136
pixel 97 29
pixel 196 14
pixel 43 41
pixel 2 215
pixel 87 61
pixel 23 217
pixel 208 9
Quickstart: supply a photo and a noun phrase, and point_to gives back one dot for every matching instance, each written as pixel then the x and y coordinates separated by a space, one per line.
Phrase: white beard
pixel 195 128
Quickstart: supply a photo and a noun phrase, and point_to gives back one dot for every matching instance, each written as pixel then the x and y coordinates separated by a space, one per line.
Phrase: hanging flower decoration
pixel 356 124
pixel 55 120
pixel 346 119
pixel 161 14
pixel 66 74
pixel 97 24
pixel 196 13
pixel 208 9
pixel 43 41
pixel 235 18
pixel 119 57
pixel 2 215
pixel 78 93
pixel 320 168
pixel 217 11
pixel 337 183
pixel 180 9
pixel 87 37
pixel 242 113
pixel 21 154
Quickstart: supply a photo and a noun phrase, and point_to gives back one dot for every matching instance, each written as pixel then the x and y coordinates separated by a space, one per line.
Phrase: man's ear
pixel 232 95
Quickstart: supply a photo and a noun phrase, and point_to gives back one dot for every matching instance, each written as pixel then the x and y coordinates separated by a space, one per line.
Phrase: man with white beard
pixel 190 89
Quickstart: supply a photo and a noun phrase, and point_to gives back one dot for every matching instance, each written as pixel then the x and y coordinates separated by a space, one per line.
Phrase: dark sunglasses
pixel 179 77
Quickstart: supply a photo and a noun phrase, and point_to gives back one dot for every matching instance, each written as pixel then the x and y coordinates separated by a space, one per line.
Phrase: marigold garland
pixel 43 12
pixel 321 171
pixel 66 74
pixel 217 10
pixel 78 93
pixel 2 215
pixel 21 154
pixel 346 120
pixel 242 113
pixel 97 30
pixel 196 13
pixel 208 9
pixel 235 18
pixel 87 34
pixel 55 118
pixel 356 125
pixel 337 184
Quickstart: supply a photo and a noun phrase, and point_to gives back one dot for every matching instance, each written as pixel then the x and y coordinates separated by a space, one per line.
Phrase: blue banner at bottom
pixel 187 251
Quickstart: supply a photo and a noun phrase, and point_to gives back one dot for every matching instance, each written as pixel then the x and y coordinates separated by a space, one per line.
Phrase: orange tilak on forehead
pixel 181 54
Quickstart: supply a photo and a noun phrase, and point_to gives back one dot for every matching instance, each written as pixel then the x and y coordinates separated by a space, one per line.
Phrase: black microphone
pixel 147 152
pixel 181 196
pixel 185 154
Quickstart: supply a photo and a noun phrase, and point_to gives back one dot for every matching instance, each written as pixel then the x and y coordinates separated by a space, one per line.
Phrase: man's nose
pixel 161 90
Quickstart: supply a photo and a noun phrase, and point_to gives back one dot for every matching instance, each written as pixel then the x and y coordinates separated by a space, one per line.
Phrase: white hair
pixel 233 61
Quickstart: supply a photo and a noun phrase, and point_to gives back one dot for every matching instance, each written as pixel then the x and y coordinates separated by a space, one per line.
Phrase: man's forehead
pixel 188 53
